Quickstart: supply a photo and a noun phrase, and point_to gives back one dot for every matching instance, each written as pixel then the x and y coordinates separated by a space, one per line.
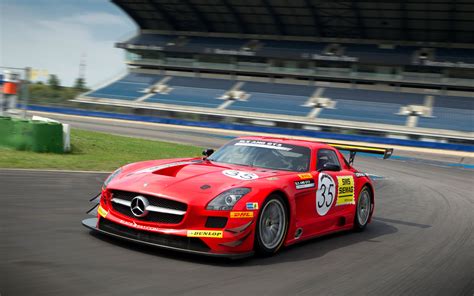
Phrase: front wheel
pixel 272 226
pixel 364 204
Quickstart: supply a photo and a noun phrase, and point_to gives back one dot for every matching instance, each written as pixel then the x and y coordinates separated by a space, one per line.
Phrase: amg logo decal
pixel 304 184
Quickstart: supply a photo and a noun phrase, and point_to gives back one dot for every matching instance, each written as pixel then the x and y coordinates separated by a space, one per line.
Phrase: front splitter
pixel 91 223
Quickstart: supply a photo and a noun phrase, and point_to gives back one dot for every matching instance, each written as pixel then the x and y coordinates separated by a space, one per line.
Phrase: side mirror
pixel 207 152
pixel 330 167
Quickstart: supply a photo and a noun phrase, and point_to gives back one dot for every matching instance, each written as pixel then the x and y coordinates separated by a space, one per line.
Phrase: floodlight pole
pixel 25 90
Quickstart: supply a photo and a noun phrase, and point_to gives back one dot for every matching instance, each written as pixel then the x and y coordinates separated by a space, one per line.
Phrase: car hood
pixel 188 179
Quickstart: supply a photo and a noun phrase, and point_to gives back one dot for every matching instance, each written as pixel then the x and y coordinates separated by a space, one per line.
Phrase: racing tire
pixel 272 226
pixel 363 208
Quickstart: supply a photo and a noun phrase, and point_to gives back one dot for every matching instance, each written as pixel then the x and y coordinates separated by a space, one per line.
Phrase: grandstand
pixel 398 68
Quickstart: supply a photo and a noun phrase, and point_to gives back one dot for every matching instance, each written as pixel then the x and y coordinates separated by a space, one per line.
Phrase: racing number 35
pixel 325 193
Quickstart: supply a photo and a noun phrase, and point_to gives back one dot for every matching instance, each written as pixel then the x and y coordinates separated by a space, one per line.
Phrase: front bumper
pixel 165 241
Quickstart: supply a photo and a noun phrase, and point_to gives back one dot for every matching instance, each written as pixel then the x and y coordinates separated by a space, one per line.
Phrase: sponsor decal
pixel 305 176
pixel 240 175
pixel 135 225
pixel 164 166
pixel 273 178
pixel 345 194
pixel 359 175
pixel 241 214
pixel 251 206
pixel 204 233
pixel 263 144
pixel 303 184
pixel 325 194
pixel 103 213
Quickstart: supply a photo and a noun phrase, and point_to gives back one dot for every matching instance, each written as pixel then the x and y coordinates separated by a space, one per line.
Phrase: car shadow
pixel 309 249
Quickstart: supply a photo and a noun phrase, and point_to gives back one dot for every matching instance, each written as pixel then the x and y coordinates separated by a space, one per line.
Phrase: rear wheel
pixel 364 204
pixel 272 225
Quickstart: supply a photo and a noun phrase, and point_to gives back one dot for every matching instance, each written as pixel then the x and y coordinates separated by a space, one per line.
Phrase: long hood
pixel 188 179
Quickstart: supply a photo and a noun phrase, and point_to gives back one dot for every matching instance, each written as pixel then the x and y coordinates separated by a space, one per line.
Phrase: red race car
pixel 255 194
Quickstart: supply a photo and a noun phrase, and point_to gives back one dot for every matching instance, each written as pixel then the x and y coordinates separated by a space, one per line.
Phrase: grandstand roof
pixel 404 20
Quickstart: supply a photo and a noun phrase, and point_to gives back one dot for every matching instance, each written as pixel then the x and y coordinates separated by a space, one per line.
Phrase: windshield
pixel 264 154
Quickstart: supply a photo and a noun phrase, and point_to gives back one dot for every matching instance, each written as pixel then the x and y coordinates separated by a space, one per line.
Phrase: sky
pixel 52 35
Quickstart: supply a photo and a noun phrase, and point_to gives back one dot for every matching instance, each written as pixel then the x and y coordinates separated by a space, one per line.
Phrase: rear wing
pixel 353 149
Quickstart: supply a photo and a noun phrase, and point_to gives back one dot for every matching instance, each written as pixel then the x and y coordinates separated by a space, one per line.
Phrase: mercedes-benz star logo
pixel 139 205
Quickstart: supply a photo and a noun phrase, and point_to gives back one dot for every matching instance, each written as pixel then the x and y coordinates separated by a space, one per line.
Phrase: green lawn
pixel 96 151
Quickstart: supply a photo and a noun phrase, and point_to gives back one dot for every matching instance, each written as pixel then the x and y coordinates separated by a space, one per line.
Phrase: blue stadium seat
pixel 452 113
pixel 372 53
pixel 129 87
pixel 455 102
pixel 449 119
pixel 375 96
pixel 454 55
pixel 271 46
pixel 368 105
pixel 197 92
pixel 284 99
pixel 449 112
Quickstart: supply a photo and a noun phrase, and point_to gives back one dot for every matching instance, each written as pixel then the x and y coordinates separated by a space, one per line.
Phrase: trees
pixel 53 82
pixel 80 84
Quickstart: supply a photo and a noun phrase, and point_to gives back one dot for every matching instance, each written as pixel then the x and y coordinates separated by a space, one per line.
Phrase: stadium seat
pixel 198 92
pixel 369 105
pixel 284 99
pixel 451 113
pixel 130 87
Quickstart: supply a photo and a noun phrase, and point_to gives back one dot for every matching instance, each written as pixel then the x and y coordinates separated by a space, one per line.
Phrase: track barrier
pixel 31 135
pixel 250 128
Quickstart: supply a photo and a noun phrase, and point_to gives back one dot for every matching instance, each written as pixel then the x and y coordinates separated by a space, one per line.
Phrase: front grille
pixel 156 217
pixel 154 201
pixel 180 242
pixel 151 216
pixel 216 222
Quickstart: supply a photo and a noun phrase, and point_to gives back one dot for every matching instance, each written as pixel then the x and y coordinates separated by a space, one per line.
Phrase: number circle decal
pixel 325 194
pixel 240 175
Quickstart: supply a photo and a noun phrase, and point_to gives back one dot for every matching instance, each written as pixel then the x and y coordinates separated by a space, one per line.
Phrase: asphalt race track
pixel 421 242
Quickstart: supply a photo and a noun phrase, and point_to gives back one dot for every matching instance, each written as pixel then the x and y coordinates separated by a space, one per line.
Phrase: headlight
pixel 227 199
pixel 111 177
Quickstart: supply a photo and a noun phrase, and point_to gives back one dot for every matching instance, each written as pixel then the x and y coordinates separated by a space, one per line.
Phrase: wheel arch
pixel 370 186
pixel 291 212
pixel 286 199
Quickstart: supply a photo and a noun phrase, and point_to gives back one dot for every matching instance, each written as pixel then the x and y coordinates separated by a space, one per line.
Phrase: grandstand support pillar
pixel 25 90
pixel 412 121
pixel 2 103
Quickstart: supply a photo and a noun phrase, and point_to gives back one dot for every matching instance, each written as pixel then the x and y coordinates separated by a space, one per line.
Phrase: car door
pixel 334 189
